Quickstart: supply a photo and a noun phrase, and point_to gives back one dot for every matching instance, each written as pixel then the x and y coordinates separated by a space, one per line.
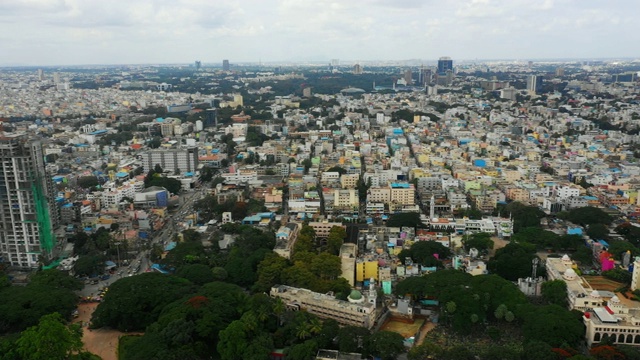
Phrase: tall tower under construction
pixel 27 212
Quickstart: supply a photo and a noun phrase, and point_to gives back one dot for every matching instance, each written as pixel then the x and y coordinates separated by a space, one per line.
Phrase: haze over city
pixel 68 32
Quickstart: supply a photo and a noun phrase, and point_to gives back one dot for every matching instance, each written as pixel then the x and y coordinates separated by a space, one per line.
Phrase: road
pixel 142 258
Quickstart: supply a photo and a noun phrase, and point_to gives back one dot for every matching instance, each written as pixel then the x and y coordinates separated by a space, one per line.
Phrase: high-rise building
pixel 28 216
pixel 408 77
pixel 182 160
pixel 444 64
pixel 40 74
pixel 559 71
pixel 357 69
pixel 210 118
pixel 534 83
pixel 198 64
pixel 56 78
pixel 225 65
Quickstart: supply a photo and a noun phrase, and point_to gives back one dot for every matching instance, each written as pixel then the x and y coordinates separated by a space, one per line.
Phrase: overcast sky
pixel 67 32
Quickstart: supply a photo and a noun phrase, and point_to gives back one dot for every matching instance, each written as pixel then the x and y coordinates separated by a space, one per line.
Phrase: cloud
pixel 156 31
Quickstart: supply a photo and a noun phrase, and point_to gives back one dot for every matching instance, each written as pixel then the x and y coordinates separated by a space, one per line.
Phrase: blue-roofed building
pixel 574 231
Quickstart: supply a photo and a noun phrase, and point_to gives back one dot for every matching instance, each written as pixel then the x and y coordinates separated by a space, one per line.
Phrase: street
pixel 141 263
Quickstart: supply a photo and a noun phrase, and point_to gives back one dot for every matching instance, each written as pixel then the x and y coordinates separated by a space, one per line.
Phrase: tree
pixel 352 338
pixel 523 215
pixel 133 303
pixel 385 345
pixel 617 248
pixel 589 215
pixel 552 324
pixel 89 265
pixel 87 182
pixel 55 278
pixel 427 350
pixel 425 252
pixel 335 239
pixel 598 231
pixel 555 292
pixel 199 274
pixel 513 261
pixel 480 241
pixel 50 339
pixel 409 219
pixel 304 351
pixel 269 272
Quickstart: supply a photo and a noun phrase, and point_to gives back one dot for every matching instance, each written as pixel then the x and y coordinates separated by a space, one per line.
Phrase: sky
pixel 74 32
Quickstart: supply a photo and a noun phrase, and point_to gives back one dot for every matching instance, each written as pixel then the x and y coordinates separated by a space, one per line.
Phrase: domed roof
pixel 566 257
pixel 614 300
pixel 595 294
pixel 569 272
pixel 355 295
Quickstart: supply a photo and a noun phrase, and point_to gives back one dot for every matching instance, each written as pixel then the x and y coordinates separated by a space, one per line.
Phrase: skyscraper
pixel 444 63
pixel 27 213
pixel 56 78
pixel 357 69
pixel 408 77
pixel 198 64
pixel 534 83
pixel 225 65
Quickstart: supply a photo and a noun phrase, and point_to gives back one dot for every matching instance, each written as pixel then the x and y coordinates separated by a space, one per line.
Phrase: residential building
pixel 172 160
pixel 27 216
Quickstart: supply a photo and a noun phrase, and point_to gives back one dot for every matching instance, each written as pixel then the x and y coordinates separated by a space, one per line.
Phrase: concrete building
pixel 184 160
pixel 348 254
pixel 322 228
pixel 27 216
pixel 358 311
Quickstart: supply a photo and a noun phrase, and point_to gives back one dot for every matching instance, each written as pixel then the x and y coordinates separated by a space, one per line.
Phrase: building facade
pixel 184 160
pixel 27 213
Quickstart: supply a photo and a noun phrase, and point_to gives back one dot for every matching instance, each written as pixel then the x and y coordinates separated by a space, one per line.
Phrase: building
pixel 357 69
pixel 323 228
pixel 534 83
pixel 173 160
pixel 408 77
pixel 358 311
pixel 445 64
pixel 225 65
pixel 210 118
pixel 348 253
pixel 27 216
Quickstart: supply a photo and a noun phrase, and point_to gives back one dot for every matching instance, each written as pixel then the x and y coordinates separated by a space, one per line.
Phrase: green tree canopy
pixel 199 274
pixel 555 292
pixel 422 252
pixel 409 219
pixel 513 261
pixel 50 339
pixel 480 241
pixel 589 215
pixel 133 303
pixel 385 345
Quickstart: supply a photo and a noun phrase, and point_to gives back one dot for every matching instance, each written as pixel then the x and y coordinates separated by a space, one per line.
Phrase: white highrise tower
pixel 432 208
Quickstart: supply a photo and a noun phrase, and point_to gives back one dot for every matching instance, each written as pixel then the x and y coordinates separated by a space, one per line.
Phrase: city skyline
pixel 72 32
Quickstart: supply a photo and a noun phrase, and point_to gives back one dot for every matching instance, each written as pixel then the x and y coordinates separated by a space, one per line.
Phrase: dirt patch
pixel 498 243
pixel 602 283
pixel 402 327
pixel 102 342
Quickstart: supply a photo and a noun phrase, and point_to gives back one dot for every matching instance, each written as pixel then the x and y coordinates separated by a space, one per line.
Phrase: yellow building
pixel 366 269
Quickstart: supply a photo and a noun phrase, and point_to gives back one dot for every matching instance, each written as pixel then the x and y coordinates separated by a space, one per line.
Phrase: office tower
pixel 28 216
pixel 40 74
pixel 198 65
pixel 56 78
pixel 534 83
pixel 408 77
pixel 559 71
pixel 225 65
pixel 210 118
pixel 444 63
pixel 357 69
